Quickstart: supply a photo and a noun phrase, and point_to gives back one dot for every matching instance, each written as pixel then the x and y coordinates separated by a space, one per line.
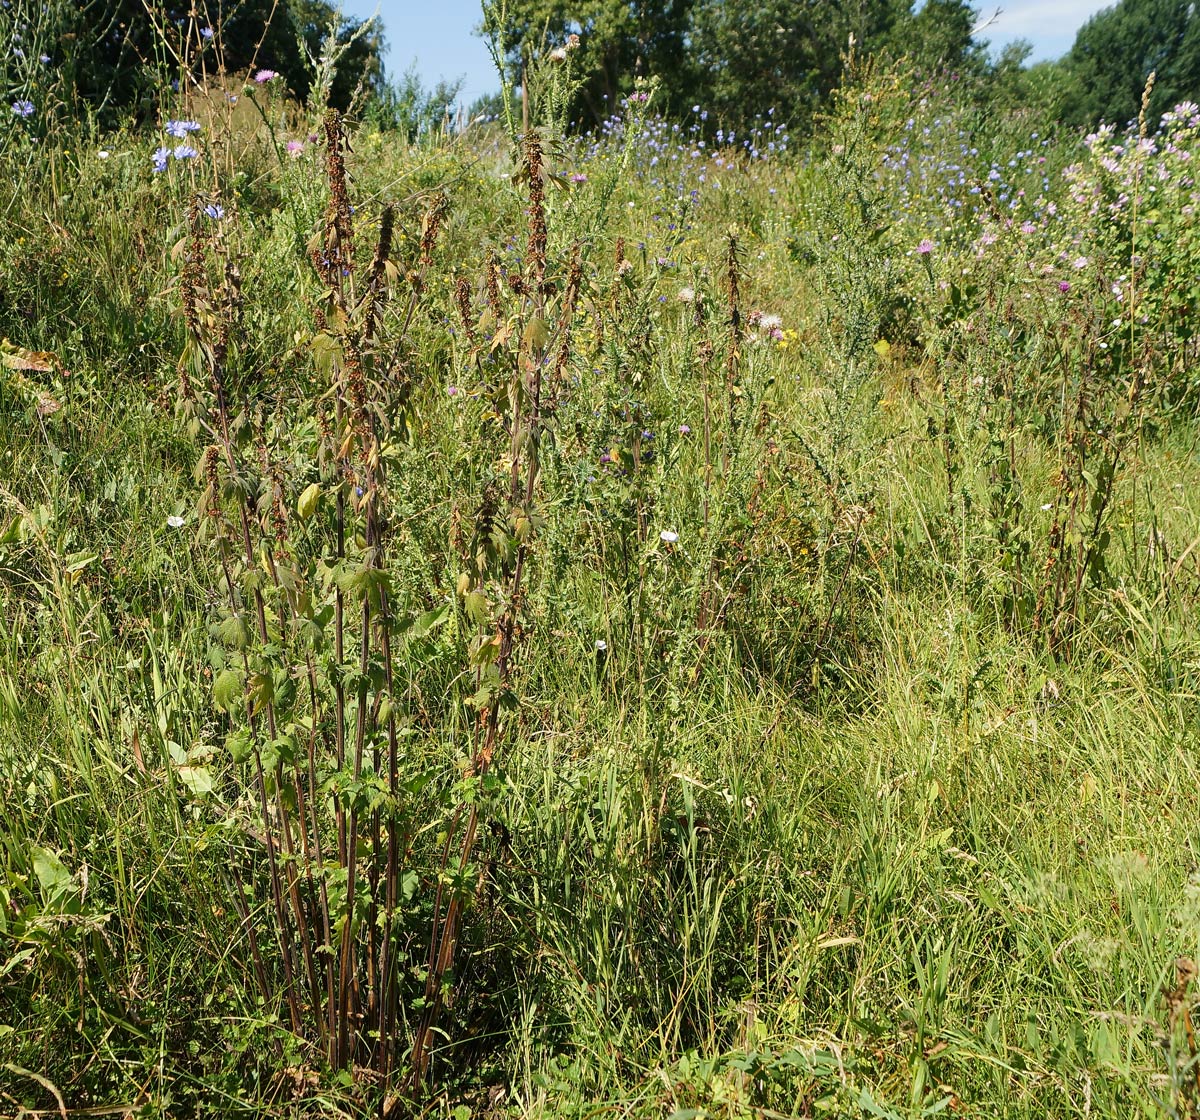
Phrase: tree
pixel 735 57
pixel 619 41
pixel 1116 50
pixel 115 55
pixel 938 35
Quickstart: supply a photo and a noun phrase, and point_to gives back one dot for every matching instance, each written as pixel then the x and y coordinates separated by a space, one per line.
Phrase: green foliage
pixel 110 58
pixel 416 112
pixel 1116 51
pixel 617 43
pixel 733 57
pixel 763 596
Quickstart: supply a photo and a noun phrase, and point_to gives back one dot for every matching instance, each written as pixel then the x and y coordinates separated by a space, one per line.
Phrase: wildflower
pixel 924 246
pixel 579 177
pixel 184 151
pixel 215 211
pixel 43 59
pixel 206 33
pixel 684 430
pixel 559 54
pixel 601 645
pixel 264 76
pixel 1063 286
pixel 686 295
pixel 770 323
pixel 668 536
pixel 160 159
pixel 452 390
pixel 1079 262
pixel 295 148
pixel 175 521
pixel 102 154
pixel 180 129
pixel 22 108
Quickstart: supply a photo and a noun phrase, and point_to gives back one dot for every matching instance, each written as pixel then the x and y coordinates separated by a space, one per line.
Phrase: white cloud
pixel 1050 25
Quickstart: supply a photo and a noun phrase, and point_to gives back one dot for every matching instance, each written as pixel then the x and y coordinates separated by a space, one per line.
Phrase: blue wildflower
pixel 180 129
pixel 160 159
pixel 185 151
pixel 23 108
pixel 215 211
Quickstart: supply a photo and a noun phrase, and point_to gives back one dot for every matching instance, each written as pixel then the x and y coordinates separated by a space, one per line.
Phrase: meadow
pixel 662 623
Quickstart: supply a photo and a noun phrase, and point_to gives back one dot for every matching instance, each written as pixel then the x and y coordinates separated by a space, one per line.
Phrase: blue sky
pixel 438 34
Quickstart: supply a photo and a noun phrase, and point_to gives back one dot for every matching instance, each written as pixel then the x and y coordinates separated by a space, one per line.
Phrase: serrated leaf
pixel 234 633
pixel 240 744
pixel 536 334
pixel 227 688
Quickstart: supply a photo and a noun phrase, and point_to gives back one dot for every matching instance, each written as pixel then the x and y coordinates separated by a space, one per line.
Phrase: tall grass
pixel 590 640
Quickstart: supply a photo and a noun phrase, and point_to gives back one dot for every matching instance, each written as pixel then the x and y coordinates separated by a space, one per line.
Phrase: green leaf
pixel 240 744
pixel 234 633
pixel 476 605
pixel 52 875
pixel 430 620
pixel 308 501
pixel 198 780
pixel 227 688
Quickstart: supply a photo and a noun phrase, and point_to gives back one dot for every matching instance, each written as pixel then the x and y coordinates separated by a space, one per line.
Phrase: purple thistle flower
pixel 264 76
pixel 924 246
pixel 1063 286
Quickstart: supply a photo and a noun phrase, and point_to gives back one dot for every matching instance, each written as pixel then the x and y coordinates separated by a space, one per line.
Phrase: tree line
pixel 736 58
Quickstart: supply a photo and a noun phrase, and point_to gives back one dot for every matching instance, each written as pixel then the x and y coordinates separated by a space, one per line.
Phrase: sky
pixel 439 34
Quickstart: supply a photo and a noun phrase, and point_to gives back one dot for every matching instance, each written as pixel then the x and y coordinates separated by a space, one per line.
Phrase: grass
pixel 824 825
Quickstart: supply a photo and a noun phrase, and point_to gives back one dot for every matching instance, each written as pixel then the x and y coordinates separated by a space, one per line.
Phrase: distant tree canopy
pixel 115 54
pixel 737 57
pixel 1115 51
